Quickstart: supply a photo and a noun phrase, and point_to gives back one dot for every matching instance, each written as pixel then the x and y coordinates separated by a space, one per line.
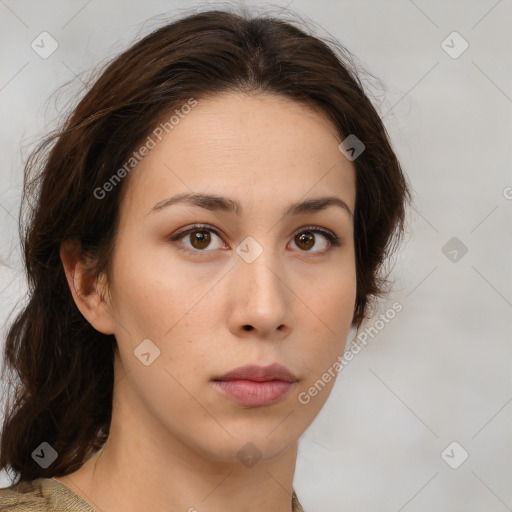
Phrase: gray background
pixel 440 370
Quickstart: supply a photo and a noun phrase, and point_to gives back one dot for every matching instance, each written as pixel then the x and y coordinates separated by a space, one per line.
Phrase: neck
pixel 143 466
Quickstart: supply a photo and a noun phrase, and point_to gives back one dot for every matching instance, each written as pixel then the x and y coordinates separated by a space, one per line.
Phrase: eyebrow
pixel 221 203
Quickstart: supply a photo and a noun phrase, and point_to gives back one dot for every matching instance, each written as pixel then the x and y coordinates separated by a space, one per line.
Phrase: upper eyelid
pixel 196 227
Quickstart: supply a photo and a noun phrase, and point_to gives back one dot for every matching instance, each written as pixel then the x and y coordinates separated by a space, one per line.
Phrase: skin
pixel 174 437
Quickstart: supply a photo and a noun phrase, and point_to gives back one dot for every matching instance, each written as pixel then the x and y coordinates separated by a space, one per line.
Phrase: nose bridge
pixel 257 266
pixel 260 291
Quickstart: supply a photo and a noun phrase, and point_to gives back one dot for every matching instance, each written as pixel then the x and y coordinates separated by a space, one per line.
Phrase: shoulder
pixel 48 495
pixel 296 506
pixel 23 496
pixel 41 495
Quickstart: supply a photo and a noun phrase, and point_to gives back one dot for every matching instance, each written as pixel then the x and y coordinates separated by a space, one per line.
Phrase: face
pixel 240 275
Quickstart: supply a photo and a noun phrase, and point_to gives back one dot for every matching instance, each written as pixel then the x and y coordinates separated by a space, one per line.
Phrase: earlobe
pixel 88 288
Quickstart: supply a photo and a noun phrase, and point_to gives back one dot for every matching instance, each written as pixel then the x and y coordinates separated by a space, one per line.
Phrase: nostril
pixel 248 327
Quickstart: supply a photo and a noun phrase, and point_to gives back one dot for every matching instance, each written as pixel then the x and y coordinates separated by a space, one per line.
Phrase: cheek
pixel 148 308
pixel 162 304
pixel 151 296
pixel 324 344
pixel 334 310
pixel 336 295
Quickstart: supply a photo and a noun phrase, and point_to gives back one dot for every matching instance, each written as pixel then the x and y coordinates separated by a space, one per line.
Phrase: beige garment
pixel 48 495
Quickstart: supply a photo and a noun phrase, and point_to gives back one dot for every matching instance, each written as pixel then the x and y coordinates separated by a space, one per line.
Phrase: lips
pixel 259 373
pixel 256 386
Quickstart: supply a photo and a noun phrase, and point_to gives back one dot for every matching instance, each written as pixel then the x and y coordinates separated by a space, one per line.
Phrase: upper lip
pixel 259 373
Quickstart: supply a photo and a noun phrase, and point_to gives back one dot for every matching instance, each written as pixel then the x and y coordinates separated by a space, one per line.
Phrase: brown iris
pixel 200 237
pixel 306 238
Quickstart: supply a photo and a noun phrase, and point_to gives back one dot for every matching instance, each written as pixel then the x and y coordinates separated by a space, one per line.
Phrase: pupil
pixel 202 238
pixel 306 239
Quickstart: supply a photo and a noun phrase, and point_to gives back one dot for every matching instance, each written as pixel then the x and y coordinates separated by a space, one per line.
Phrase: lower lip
pixel 254 394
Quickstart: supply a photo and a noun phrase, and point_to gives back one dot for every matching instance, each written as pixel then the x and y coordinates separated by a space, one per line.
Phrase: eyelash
pixel 334 241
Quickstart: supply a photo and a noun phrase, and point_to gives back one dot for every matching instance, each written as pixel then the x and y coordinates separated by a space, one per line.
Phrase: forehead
pixel 259 146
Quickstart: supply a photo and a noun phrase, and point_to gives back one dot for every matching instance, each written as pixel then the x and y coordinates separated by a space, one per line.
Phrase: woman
pixel 209 223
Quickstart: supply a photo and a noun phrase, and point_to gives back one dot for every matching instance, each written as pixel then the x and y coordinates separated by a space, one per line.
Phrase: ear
pixel 89 291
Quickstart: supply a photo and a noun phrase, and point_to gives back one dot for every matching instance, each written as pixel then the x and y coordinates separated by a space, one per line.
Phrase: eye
pixel 200 238
pixel 306 239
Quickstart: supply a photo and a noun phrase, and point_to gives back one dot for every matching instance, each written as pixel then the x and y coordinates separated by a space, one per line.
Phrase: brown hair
pixel 64 367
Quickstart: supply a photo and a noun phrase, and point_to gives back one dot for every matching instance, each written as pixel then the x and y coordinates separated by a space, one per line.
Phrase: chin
pixel 258 440
pixel 246 446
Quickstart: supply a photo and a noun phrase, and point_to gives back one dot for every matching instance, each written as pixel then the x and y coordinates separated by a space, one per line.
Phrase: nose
pixel 261 301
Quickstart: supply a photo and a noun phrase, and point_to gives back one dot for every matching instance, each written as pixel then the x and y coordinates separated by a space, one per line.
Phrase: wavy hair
pixel 61 370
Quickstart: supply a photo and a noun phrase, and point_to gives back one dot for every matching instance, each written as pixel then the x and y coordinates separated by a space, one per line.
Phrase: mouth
pixel 256 386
